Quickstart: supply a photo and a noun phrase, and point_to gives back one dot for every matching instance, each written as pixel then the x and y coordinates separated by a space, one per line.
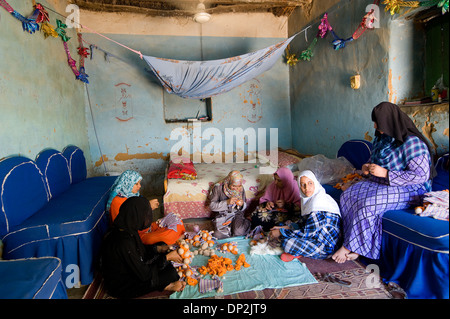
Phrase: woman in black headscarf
pixel 130 268
pixel 400 172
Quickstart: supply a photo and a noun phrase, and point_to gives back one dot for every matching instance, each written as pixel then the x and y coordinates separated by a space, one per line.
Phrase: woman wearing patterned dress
pixel 318 232
pixel 227 203
pixel 400 172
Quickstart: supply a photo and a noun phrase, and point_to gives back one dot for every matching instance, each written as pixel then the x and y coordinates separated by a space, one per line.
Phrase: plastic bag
pixel 327 171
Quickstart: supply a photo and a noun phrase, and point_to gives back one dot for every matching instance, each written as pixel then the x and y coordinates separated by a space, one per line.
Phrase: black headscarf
pixel 134 214
pixel 392 121
pixel 130 268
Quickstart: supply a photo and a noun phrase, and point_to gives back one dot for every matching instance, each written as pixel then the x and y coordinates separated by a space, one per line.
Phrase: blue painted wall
pixel 41 103
pixel 141 140
pixel 311 104
pixel 326 111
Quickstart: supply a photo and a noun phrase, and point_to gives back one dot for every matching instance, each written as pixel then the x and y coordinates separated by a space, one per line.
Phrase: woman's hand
pixel 275 231
pixel 378 171
pixel 270 205
pixel 231 201
pixel 154 204
pixel 174 256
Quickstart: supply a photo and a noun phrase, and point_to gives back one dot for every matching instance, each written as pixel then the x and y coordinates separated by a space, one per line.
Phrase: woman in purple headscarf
pixel 279 202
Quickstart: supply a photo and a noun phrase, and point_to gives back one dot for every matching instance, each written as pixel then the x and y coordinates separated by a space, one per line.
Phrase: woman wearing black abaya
pixel 130 268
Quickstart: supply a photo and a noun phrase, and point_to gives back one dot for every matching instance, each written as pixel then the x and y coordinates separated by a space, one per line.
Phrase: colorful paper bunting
pixel 366 23
pixel 61 30
pixel 48 30
pixel 28 24
pixel 41 16
pixel 395 6
pixel 83 53
pixel 307 54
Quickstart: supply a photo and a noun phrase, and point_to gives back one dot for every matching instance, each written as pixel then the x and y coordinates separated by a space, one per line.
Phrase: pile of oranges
pixel 348 178
pixel 230 247
pixel 220 265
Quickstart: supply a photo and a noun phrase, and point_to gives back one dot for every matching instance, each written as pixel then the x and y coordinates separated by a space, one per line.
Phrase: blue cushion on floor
pixel 35 278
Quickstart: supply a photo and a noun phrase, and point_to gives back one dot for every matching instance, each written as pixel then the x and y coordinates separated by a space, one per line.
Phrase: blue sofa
pixel 34 278
pixel 415 250
pixel 49 208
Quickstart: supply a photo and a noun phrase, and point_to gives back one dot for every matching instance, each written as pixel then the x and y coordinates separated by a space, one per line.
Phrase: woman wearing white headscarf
pixel 318 233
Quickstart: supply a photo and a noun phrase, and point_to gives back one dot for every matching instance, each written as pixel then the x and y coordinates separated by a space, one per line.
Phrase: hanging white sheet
pixel 203 79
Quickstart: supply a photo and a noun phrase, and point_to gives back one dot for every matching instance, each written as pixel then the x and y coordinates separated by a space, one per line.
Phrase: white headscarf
pixel 319 201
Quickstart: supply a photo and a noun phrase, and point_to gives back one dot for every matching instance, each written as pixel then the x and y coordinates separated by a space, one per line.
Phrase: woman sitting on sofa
pixel 399 174
pixel 168 229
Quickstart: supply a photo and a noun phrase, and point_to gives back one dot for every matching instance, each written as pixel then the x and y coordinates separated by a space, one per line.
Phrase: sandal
pixel 395 291
pixel 327 277
pixel 288 257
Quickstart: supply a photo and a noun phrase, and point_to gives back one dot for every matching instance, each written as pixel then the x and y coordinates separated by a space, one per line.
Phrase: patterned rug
pixel 363 285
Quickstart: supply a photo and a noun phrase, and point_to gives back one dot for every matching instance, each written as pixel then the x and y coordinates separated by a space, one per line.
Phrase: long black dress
pixel 130 268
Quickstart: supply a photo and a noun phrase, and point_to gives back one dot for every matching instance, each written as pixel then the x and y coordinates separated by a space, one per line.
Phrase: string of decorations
pixel 367 23
pixel 40 16
pixel 395 6
pixel 39 21
pixel 338 43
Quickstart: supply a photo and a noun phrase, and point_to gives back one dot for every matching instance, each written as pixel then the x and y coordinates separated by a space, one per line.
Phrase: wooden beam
pixel 177 8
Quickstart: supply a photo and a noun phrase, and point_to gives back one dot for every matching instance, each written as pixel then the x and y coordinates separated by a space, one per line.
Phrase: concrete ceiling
pixel 185 8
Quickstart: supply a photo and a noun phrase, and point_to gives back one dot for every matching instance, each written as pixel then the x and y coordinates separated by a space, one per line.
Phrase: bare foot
pixel 176 286
pixel 352 256
pixel 340 256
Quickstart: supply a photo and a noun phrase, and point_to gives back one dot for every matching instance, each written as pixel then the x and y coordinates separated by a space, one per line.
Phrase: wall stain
pixel 367 137
pixel 391 90
pixel 154 155
pixel 428 130
pixel 101 160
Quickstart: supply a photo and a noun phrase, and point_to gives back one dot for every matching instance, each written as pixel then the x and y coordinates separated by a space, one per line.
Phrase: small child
pixel 319 230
